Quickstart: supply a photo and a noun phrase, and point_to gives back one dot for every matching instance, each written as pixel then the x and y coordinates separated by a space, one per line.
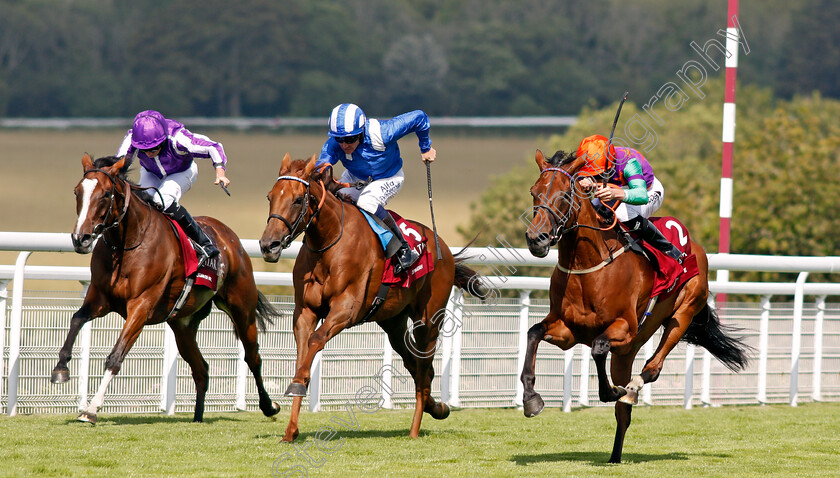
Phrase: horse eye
pixel 298 200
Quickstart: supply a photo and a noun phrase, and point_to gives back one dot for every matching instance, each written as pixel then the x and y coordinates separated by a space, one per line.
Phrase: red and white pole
pixel 732 36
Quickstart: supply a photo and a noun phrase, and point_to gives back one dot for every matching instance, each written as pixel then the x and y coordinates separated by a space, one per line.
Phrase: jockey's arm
pixel 416 122
pixel 635 192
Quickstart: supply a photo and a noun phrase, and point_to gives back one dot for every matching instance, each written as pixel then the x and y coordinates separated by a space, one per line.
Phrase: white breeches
pixel 172 186
pixel 377 193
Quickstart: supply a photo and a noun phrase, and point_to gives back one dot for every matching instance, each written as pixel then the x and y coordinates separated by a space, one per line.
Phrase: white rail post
pixel 454 392
pixel 84 359
pixel 387 359
pixel 568 362
pixel 524 311
pixel 14 333
pixel 585 359
pixel 706 392
pixel 796 343
pixel 816 382
pixel 169 371
pixel 446 353
pixel 315 383
pixel 4 294
pixel 647 390
pixel 241 378
pixel 763 343
pixel 689 376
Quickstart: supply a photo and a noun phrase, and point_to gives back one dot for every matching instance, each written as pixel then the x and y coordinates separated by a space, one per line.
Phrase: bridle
pixel 101 227
pixel 558 222
pixel 293 227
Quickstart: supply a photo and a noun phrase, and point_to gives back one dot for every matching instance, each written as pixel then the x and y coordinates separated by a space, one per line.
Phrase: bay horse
pixel 598 297
pixel 137 271
pixel 336 276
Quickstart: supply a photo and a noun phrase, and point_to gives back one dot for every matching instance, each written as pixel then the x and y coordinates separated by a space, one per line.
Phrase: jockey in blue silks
pixel 167 152
pixel 368 150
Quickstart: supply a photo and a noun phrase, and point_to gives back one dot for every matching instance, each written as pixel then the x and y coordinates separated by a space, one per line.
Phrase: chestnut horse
pixel 599 302
pixel 336 276
pixel 137 271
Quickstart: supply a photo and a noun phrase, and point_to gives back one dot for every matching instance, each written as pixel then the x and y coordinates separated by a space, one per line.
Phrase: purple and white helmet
pixel 149 130
pixel 346 119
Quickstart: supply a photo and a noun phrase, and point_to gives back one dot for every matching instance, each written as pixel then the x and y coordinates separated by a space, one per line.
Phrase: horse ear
pixel 118 165
pixel 87 162
pixel 286 164
pixel 307 171
pixel 540 159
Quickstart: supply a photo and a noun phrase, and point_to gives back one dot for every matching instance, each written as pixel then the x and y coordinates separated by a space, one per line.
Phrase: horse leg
pixel 245 322
pixel 621 367
pixel 128 335
pixel 94 306
pixel 303 325
pixel 554 331
pixel 617 334
pixel 185 333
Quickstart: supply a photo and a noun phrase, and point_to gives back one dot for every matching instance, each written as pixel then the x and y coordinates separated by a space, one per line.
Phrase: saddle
pixel 205 276
pixel 670 274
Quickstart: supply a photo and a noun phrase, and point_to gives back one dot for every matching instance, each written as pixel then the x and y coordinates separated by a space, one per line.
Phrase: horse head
pixel 288 203
pixel 557 200
pixel 100 199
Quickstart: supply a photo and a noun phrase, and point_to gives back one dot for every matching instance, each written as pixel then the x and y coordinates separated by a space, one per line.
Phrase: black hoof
pixel 296 390
pixel 60 375
pixel 534 406
pixel 87 418
pixel 271 410
pixel 440 411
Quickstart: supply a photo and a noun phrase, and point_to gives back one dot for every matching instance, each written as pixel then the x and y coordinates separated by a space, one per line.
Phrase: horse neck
pixel 327 225
pixel 584 247
pixel 133 225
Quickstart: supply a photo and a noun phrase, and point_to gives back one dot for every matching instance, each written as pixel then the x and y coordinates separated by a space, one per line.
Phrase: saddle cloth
pixel 416 241
pixel 670 275
pixel 207 276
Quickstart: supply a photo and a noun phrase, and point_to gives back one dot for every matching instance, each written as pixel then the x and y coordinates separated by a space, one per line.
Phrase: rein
pixel 122 215
pixel 286 242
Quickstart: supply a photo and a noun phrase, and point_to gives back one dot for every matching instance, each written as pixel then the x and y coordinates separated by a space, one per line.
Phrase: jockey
pixel 167 150
pixel 368 150
pixel 639 192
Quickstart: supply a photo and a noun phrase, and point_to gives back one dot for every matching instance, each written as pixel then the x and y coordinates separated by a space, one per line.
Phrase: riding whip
pixel 224 188
pixel 431 207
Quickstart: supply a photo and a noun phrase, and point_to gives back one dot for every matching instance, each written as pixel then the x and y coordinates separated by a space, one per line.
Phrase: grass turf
pixel 775 440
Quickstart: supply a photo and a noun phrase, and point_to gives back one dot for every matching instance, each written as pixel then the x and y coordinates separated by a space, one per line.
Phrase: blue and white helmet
pixel 346 119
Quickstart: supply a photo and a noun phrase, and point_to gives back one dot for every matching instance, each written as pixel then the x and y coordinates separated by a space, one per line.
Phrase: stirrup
pixel 405 260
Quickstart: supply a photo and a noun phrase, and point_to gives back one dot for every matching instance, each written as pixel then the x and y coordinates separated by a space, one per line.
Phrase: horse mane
pixel 562 158
pixel 108 161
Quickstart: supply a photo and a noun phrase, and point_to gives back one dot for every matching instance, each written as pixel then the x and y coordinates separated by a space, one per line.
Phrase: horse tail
pixel 265 312
pixel 720 340
pixel 468 279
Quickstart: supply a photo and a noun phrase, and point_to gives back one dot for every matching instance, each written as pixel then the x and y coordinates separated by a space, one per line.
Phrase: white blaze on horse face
pixel 88 186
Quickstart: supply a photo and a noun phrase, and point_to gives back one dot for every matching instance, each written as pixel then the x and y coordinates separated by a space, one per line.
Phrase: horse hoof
pixel 440 411
pixel 630 398
pixel 534 406
pixel 87 417
pixel 272 410
pixel 296 390
pixel 60 375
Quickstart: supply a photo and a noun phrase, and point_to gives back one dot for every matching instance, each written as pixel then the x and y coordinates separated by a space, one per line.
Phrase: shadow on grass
pixel 121 420
pixel 596 459
pixel 367 434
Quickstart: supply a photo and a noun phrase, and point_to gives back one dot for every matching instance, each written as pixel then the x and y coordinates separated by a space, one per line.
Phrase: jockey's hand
pixel 429 155
pixel 221 178
pixel 605 193
pixel 587 184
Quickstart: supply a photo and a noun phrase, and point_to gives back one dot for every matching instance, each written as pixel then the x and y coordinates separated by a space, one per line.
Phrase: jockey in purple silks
pixel 167 150
pixel 368 149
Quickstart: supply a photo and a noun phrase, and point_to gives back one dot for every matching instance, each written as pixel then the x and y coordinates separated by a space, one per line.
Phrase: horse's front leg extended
pixel 128 335
pixel 94 306
pixel 531 401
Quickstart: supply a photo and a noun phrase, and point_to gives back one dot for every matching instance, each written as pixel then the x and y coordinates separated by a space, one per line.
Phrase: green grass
pixel 775 440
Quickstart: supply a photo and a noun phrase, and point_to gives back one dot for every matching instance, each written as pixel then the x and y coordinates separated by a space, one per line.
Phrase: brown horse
pixel 137 271
pixel 602 307
pixel 336 277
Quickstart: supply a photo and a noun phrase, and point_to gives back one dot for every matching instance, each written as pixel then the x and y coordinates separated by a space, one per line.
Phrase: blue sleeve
pixel 328 153
pixel 416 122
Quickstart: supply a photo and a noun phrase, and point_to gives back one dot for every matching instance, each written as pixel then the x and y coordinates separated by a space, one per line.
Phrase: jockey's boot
pixel 654 237
pixel 188 224
pixel 406 256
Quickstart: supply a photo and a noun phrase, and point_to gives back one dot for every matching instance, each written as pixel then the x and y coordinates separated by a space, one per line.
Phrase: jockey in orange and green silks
pixel 631 181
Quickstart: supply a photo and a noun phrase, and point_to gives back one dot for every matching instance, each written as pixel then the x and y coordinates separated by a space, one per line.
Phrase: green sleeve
pixel 636 190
